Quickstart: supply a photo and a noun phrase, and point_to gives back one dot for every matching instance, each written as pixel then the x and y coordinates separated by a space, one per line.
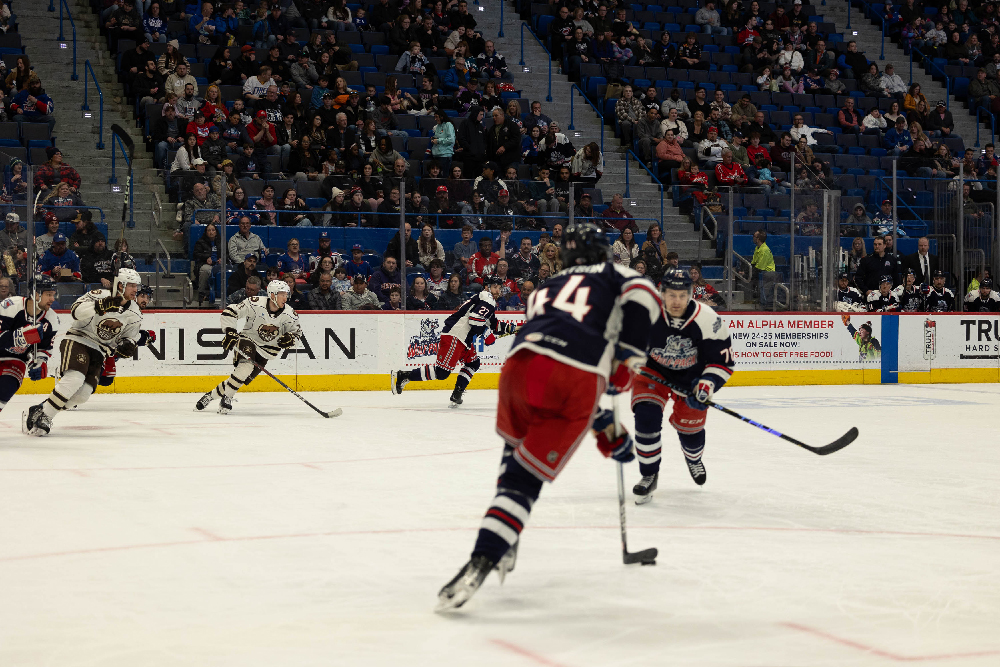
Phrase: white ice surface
pixel 142 534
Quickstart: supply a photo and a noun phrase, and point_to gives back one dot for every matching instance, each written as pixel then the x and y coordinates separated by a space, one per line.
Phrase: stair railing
pixel 600 115
pixel 86 106
pixel 548 98
pixel 993 124
pixel 653 176
pixel 62 3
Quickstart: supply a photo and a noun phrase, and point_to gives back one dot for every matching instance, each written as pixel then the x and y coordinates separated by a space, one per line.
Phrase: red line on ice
pixel 530 655
pixel 885 654
pixel 397 531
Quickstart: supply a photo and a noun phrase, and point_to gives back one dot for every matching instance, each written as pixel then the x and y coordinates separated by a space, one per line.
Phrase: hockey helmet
pixel 275 287
pixel 125 277
pixel 147 290
pixel 986 283
pixel 885 279
pixel 42 283
pixel 676 279
pixel 492 280
pixel 584 243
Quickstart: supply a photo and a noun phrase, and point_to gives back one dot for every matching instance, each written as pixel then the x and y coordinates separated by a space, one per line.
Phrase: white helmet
pixel 276 286
pixel 125 277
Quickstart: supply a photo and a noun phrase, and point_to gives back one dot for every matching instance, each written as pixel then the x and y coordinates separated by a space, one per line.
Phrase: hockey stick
pixel 336 412
pixel 646 556
pixel 836 445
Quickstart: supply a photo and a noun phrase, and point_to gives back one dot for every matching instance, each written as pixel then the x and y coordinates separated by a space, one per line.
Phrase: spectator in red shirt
pixel 755 150
pixel 781 154
pixel 728 172
pixel 482 263
pixel 615 216
pixel 199 127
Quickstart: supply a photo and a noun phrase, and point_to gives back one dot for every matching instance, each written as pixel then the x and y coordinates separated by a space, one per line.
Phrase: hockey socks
pixel 517 490
pixel 648 418
pixel 427 372
pixel 693 445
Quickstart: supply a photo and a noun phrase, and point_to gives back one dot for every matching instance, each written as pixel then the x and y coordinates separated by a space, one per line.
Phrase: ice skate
pixel 203 401
pixel 225 405
pixel 644 489
pixel 697 470
pixel 35 422
pixel 506 563
pixel 456 398
pixel 465 584
pixel 399 380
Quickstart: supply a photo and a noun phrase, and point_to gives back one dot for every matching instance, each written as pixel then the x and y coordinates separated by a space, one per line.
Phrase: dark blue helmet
pixel 42 283
pixel 677 279
pixel 145 289
pixel 492 280
pixel 584 243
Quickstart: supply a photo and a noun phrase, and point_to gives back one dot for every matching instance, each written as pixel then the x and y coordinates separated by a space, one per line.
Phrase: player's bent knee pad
pixel 516 478
pixel 648 417
pixel 692 440
pixel 441 373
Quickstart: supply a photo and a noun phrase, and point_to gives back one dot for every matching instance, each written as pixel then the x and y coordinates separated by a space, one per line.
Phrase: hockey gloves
pixel 126 348
pixel 39 368
pixel 29 335
pixel 147 337
pixel 287 340
pixel 623 369
pixel 617 446
pixel 701 393
pixel 489 338
pixel 107 304
pixel 230 340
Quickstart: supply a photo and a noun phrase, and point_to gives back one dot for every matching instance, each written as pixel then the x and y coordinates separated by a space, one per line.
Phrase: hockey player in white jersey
pixel 28 328
pixel 269 327
pixel 103 323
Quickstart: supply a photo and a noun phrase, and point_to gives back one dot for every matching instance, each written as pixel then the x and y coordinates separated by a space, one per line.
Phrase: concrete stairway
pixel 77 136
pixel 644 195
pixel 869 39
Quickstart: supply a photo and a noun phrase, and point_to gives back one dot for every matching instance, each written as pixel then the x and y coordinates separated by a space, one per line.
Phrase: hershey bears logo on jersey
pixel 95 291
pixel 108 329
pixel 267 332
pixel 426 343
pixel 678 353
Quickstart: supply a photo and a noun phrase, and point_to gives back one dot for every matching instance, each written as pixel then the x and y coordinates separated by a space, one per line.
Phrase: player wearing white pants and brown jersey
pixel 269 327
pixel 103 323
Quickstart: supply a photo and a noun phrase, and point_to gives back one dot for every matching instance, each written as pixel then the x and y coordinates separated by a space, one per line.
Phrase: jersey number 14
pixel 571 299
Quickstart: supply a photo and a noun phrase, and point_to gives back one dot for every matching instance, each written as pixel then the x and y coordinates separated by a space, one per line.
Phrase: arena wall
pixel 356 351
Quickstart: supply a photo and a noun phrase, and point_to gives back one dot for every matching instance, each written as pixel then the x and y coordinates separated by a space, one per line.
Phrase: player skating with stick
pixel 103 323
pixel 689 347
pixel 476 317
pixel 270 327
pixel 587 329
pixel 27 330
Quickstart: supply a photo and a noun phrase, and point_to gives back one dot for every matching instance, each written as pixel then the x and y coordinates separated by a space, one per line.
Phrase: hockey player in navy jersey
pixel 938 298
pixel 883 300
pixel 27 330
pixel 911 299
pixel 587 330
pixel 476 317
pixel 688 347
pixel 849 298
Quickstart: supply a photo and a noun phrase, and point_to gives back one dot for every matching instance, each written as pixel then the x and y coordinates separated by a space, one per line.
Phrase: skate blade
pixel 24 423
pixel 446 604
pixel 392 383
pixel 642 500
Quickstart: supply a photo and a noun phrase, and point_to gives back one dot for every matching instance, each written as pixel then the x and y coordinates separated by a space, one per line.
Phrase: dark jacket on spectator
pixel 382 281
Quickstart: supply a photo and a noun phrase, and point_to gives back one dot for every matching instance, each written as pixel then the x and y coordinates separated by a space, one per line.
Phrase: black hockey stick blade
pixel 336 412
pixel 645 557
pixel 836 445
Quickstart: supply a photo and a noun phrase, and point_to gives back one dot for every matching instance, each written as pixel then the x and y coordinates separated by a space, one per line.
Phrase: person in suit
pixel 922 262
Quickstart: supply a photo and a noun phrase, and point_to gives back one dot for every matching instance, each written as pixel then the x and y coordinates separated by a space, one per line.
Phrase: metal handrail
pixel 100 93
pixel 72 25
pixel 702 228
pixel 788 296
pixel 993 124
pixel 600 115
pixel 548 98
pixel 651 175
pixel 166 269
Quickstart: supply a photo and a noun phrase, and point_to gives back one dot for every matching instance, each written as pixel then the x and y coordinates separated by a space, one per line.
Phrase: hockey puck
pixel 649 562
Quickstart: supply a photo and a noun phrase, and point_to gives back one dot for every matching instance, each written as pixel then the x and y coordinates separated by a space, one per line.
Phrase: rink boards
pixel 357 350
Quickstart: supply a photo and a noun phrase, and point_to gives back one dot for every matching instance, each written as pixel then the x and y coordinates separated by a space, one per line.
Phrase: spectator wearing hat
pixel 893 84
pixel 55 171
pixel 834 84
pixel 501 212
pixel 446 213
pixel 246 269
pixel 280 70
pixel 857 223
pixel 898 140
pixel 134 61
pixel 304 73
pixel 939 121
pixel 59 262
pixel 710 149
pixel 357 265
pixel 86 233
pixel 359 297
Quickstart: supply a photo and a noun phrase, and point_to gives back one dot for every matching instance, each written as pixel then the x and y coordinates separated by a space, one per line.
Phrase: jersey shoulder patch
pixel 711 323
pixel 96 291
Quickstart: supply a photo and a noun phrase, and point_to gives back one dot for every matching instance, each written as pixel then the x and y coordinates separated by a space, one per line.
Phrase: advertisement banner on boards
pixel 949 341
pixel 423 332
pixel 805 341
